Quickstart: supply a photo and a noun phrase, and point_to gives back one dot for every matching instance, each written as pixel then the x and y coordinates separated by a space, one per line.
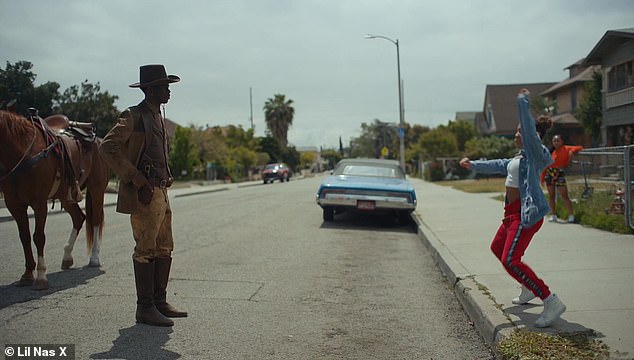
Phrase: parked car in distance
pixel 276 171
pixel 374 185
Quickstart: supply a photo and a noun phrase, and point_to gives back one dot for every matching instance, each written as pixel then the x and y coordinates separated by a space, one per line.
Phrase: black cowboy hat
pixel 153 75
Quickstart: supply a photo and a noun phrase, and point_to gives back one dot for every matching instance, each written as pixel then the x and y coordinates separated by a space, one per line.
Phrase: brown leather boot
pixel 162 266
pixel 146 312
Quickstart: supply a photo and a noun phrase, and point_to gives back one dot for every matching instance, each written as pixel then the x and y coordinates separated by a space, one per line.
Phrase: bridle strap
pixel 15 168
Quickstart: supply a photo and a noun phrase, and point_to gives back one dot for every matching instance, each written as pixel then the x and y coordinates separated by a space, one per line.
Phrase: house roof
pixel 610 40
pixel 170 127
pixel 579 62
pixel 500 108
pixel 566 118
pixel 585 75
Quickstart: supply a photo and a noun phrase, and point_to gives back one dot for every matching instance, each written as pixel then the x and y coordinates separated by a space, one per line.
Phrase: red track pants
pixel 509 244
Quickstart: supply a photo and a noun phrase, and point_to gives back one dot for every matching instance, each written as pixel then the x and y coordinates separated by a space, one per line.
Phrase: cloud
pixel 312 51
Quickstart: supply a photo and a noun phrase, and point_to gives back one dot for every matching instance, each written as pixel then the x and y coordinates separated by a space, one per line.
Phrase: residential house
pixel 170 128
pixel 500 115
pixel 615 53
pixel 565 97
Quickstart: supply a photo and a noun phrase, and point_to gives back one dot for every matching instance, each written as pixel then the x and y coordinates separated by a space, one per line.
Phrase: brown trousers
pixel 152 228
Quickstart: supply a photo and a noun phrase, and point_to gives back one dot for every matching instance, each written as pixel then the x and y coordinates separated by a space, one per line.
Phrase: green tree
pixel 373 138
pixel 87 103
pixel 307 159
pixel 590 110
pixel 183 153
pixel 439 142
pixel 17 83
pixel 463 131
pixel 210 146
pixel 240 160
pixel 543 106
pixel 414 133
pixel 278 115
pixel 271 146
pixel 332 157
pixel 263 158
pixel 236 136
pixel 290 156
pixel 490 147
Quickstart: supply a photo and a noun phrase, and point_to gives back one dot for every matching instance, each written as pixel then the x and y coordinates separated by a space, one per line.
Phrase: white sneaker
pixel 525 296
pixel 553 308
pixel 571 219
pixel 552 218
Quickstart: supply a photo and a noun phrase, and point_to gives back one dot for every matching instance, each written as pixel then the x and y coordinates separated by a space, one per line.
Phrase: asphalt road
pixel 262 278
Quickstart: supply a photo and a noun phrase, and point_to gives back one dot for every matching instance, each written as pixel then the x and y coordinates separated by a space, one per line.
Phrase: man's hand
pixel 139 181
pixel 145 194
pixel 145 190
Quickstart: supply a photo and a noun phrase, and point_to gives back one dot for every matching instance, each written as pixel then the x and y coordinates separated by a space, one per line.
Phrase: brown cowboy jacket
pixel 122 149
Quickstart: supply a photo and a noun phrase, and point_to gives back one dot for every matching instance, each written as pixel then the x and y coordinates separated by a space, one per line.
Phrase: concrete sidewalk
pixel 592 271
pixel 110 199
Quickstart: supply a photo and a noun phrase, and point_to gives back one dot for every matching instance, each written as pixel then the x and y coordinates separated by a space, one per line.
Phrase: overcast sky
pixel 312 51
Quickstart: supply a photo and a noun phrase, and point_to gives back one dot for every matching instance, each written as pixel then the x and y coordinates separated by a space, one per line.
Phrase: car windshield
pixel 271 167
pixel 369 170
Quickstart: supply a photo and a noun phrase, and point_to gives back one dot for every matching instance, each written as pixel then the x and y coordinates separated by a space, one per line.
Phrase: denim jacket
pixel 535 158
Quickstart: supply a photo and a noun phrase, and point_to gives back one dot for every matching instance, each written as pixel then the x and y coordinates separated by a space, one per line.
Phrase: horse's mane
pixel 15 128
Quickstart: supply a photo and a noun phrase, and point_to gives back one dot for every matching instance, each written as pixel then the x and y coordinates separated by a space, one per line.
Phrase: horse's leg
pixel 94 256
pixel 77 217
pixel 39 238
pixel 19 213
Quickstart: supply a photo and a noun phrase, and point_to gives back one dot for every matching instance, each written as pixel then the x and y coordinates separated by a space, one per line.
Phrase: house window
pixel 621 76
pixel 573 99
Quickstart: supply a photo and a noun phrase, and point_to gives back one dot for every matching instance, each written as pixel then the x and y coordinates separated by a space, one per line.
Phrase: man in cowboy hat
pixel 136 149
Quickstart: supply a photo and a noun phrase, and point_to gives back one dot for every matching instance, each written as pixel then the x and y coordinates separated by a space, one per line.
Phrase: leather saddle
pixel 75 146
pixel 60 124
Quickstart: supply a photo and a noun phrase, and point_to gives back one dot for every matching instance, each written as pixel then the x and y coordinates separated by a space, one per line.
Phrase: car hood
pixel 367 182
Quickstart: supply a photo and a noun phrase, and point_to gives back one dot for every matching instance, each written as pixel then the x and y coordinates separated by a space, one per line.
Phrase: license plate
pixel 365 205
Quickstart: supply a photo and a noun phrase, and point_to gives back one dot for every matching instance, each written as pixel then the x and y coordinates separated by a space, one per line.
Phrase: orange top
pixel 561 157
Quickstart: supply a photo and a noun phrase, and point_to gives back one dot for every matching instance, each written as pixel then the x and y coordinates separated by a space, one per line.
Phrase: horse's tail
pixel 94 217
pixel 97 183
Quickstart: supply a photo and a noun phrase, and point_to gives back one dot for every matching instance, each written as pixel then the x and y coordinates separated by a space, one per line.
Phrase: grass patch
pixel 489 185
pixel 526 345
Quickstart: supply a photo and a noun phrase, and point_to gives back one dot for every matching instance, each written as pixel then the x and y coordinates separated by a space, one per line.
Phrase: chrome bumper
pixel 380 202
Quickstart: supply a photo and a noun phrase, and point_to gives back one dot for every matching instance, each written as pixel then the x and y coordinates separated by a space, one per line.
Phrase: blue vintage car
pixel 367 185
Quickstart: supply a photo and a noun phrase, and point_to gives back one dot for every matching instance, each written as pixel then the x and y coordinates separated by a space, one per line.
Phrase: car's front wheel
pixel 329 214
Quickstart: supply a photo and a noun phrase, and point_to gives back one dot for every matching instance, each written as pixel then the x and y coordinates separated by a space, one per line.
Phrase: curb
pixel 490 322
pixel 54 212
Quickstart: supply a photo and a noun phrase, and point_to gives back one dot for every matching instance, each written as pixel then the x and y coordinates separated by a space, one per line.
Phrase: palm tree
pixel 278 114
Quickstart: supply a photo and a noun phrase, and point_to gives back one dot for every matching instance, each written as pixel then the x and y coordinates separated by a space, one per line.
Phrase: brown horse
pixel 31 174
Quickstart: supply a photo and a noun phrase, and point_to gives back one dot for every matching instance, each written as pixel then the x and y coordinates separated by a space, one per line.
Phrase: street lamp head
pixel 372 36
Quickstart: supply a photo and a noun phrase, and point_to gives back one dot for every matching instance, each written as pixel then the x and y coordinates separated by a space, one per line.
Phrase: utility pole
pixel 251 102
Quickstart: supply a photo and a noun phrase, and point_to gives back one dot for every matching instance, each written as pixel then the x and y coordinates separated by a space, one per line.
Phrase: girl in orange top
pixel 554 176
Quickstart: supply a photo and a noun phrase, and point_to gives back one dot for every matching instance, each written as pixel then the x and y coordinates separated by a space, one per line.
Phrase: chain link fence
pixel 606 173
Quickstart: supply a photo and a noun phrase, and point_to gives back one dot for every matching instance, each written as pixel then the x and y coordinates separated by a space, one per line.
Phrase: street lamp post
pixel 401 128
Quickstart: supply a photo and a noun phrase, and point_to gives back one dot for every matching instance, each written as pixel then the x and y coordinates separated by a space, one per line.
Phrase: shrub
pixel 594 211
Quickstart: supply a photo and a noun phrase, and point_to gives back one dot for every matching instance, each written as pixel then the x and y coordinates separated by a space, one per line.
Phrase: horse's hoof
pixel 66 264
pixel 24 282
pixel 40 284
pixel 94 263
